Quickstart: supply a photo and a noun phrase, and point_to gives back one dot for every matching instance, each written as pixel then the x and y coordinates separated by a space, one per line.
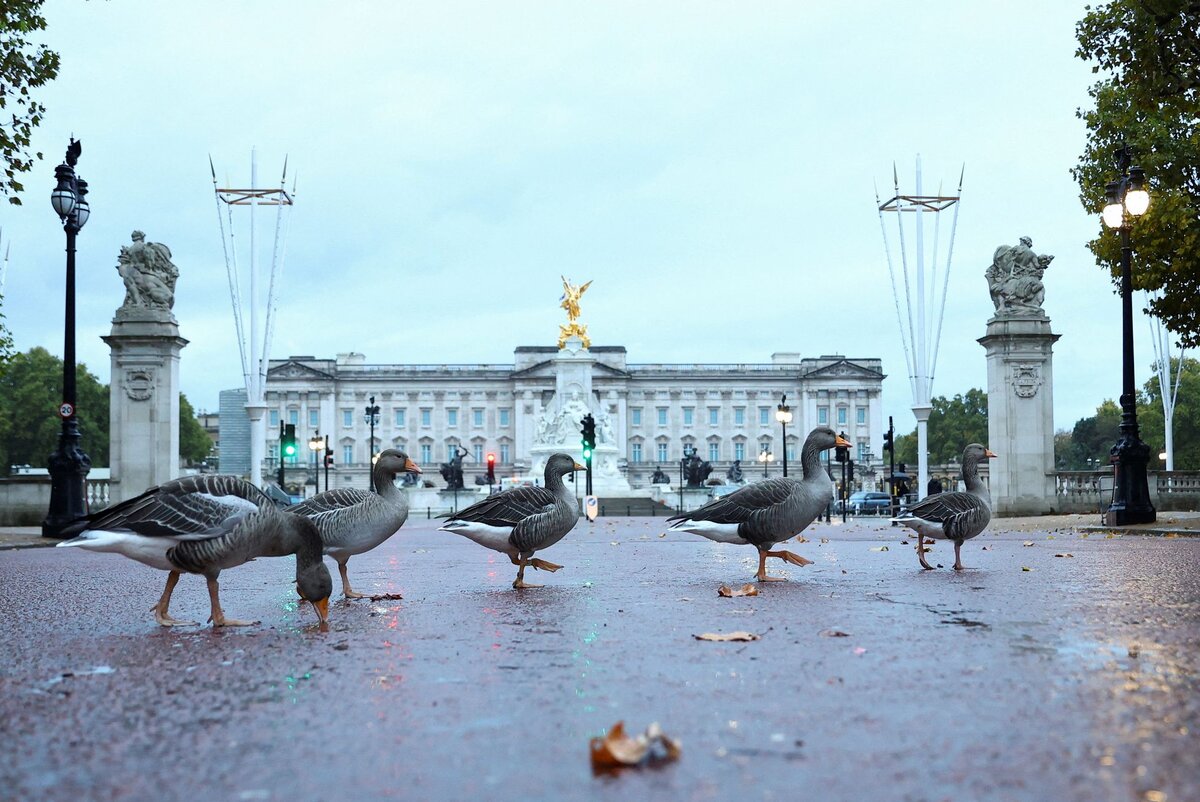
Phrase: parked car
pixel 869 502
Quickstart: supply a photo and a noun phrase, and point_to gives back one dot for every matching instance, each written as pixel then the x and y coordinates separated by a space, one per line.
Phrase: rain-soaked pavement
pixel 1031 676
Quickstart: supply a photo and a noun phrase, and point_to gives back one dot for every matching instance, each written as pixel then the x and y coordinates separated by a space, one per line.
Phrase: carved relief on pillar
pixel 139 383
pixel 1026 379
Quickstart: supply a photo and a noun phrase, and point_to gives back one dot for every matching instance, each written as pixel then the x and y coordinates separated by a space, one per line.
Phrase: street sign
pixel 66 410
pixel 591 507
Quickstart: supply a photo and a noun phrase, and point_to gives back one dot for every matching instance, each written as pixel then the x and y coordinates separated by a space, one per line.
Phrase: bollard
pixel 428 513
pixel 626 510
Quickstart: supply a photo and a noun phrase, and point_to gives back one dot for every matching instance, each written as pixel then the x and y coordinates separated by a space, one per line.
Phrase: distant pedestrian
pixel 935 486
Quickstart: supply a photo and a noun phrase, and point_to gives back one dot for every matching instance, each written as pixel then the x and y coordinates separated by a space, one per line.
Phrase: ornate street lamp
pixel 316 444
pixel 68 465
pixel 766 458
pixel 371 418
pixel 783 414
pixel 1125 199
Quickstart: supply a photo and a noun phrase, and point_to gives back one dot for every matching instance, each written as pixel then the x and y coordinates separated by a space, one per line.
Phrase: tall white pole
pixel 255 408
pixel 921 407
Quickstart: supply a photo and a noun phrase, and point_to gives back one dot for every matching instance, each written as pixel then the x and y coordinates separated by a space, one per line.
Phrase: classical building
pixel 647 413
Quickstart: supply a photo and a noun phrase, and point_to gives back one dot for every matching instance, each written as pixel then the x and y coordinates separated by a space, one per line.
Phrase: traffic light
pixel 589 435
pixel 287 443
pixel 889 441
pixel 491 468
pixel 328 459
pixel 842 452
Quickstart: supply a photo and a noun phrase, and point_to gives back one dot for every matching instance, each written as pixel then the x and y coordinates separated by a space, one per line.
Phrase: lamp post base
pixel 1131 494
pixel 68 467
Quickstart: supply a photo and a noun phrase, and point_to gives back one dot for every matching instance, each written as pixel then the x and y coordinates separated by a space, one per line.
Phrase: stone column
pixel 144 383
pixel 1021 415
pixel 143 403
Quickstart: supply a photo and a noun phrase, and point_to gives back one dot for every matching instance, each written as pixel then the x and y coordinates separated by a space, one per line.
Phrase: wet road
pixel 1074 680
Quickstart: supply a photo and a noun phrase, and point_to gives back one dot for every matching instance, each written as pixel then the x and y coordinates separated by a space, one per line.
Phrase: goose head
pixel 975 453
pixel 559 465
pixel 823 438
pixel 315 585
pixel 395 462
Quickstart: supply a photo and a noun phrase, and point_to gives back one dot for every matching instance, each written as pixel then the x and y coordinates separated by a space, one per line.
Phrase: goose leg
pixel 520 582
pixel 762 569
pixel 160 609
pixel 791 557
pixel 542 565
pixel 218 615
pixel 346 589
pixel 958 566
pixel 921 552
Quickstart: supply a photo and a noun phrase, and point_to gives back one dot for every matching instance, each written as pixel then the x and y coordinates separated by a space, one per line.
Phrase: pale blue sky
pixel 709 165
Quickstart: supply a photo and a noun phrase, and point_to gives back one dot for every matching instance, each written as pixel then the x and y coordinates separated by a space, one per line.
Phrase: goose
pixel 957 515
pixel 203 525
pixel 769 511
pixel 523 520
pixel 355 521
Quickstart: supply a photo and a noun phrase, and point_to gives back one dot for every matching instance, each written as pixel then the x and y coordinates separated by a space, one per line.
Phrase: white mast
pixel 1168 386
pixel 920 338
pixel 255 350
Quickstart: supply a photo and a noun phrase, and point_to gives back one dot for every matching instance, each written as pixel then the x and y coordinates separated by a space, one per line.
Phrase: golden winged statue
pixel 570 302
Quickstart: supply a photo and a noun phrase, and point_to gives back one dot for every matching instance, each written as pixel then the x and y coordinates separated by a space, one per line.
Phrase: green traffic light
pixel 587 453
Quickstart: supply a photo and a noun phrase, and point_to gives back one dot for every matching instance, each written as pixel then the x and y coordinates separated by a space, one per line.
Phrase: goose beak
pixel 322 608
pixel 987 452
pixel 841 442
pixel 411 466
pixel 579 467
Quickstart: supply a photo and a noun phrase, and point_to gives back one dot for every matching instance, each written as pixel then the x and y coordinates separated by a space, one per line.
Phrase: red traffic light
pixel 491 458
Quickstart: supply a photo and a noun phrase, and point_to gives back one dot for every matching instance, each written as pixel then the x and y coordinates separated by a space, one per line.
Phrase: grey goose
pixel 353 521
pixel 957 515
pixel 203 525
pixel 523 520
pixel 769 511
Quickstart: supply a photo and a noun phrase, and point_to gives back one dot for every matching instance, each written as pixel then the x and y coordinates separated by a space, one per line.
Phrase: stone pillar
pixel 1021 414
pixel 143 403
pixel 144 383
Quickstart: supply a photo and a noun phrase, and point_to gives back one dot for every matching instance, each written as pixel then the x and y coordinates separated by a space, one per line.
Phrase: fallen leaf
pixel 879 548
pixel 824 540
pixel 801 539
pixel 744 590
pixel 1027 543
pixel 386 597
pixel 905 543
pixel 1026 568
pixel 727 636
pixel 833 633
pixel 664 534
pixel 616 749
pixel 1064 555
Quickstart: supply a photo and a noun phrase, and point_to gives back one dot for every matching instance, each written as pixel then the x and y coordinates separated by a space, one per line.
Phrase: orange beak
pixel 579 467
pixel 841 441
pixel 411 466
pixel 987 452
pixel 322 608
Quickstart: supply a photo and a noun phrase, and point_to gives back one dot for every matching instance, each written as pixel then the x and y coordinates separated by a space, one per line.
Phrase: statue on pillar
pixel 734 474
pixel 570 302
pixel 1015 280
pixel 452 471
pixel 148 273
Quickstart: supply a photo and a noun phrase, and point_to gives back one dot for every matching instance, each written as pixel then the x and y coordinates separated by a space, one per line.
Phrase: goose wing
pixel 330 500
pixel 743 505
pixel 190 508
pixel 960 514
pixel 508 508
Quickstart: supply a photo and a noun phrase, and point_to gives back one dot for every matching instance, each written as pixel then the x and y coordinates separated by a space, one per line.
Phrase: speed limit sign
pixel 66 410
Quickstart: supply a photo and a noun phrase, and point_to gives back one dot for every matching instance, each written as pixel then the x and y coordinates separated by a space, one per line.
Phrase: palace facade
pixel 652 412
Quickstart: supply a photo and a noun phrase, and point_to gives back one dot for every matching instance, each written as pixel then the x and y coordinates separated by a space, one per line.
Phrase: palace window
pixel 823 415
pixel 764 416
pixel 477 418
pixel 860 415
pixel 662 416
pixel 637 416
pixel 314 418
pixel 739 451
pixel 452 417
pixel 399 419
pixel 477 452
pixel 688 412
pixel 662 452
pixel 714 452
pixel 347 454
pixel 714 416
pixel 842 416
pixel 426 414
pixel 635 452
pixel 294 416
pixel 504 413
pixel 739 416
pixel 426 453
pixel 274 419
pixel 347 418
pixel 504 454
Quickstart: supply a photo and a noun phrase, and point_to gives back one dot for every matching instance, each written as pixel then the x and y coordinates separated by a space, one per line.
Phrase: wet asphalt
pixel 1029 676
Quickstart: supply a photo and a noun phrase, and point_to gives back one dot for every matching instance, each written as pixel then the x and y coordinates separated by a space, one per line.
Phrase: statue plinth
pixel 1021 413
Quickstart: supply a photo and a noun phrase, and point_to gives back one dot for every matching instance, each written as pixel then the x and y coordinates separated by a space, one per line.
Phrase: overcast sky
pixel 710 165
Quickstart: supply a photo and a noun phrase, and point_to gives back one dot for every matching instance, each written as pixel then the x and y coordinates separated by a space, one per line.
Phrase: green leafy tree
pixel 1187 418
pixel 1149 52
pixel 1091 439
pixel 194 442
pixel 30 393
pixel 953 423
pixel 24 65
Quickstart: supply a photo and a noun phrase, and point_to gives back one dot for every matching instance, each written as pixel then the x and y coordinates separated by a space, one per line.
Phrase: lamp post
pixel 766 458
pixel 316 445
pixel 688 451
pixel 1125 199
pixel 371 418
pixel 68 465
pixel 783 414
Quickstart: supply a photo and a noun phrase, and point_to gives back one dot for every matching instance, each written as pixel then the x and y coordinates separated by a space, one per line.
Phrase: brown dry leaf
pixel 833 633
pixel 1064 555
pixel 824 540
pixel 727 636
pixel 744 590
pixel 618 749
pixel 801 539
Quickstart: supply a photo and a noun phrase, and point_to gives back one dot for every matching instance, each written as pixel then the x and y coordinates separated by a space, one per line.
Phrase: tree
pixel 953 423
pixel 1187 418
pixel 30 392
pixel 194 443
pixel 23 66
pixel 1091 439
pixel 1150 50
